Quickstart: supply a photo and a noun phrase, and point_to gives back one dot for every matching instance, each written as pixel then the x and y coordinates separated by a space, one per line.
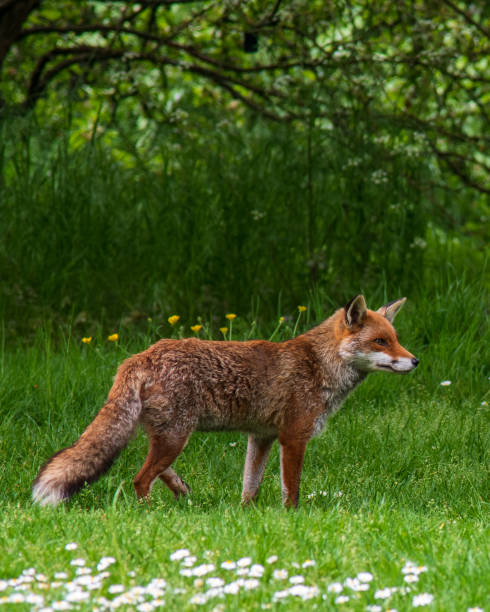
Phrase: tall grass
pixel 243 217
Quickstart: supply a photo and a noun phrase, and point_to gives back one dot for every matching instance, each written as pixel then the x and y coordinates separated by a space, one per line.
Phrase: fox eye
pixel 381 342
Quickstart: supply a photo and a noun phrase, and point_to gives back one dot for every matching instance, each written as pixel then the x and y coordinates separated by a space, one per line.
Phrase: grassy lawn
pixel 399 476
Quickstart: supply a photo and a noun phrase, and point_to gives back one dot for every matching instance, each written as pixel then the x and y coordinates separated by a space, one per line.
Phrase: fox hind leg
pixel 164 449
pixel 175 483
pixel 258 450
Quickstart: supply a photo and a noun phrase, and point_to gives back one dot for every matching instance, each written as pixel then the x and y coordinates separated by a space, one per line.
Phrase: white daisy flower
pixel 384 593
pixel 280 595
pixel 335 587
pixel 251 583
pixel 189 561
pixel 78 562
pixel 198 599
pixel 228 565
pixel 145 607
pixel 424 599
pixel 71 546
pixel 280 574
pixel 202 570
pixel 77 596
pixel 179 554
pixel 297 579
pixel 256 571
pixel 341 599
pixel 374 608
pixel 445 383
pixel 61 575
pixel 271 559
pixel 364 576
pixel 244 562
pixel 214 581
pixel 116 588
pixel 411 578
pixel 232 588
pixel 309 563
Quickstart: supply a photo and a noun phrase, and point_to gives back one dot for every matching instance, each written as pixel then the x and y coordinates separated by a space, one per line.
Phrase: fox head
pixel 369 340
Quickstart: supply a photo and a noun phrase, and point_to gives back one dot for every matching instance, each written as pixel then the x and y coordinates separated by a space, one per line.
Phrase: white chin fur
pixel 379 361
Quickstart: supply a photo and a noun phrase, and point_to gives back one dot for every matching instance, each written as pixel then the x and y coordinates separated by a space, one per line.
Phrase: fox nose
pixel 415 362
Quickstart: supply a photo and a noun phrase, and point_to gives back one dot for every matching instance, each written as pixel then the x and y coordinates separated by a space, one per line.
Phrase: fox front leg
pixel 258 450
pixel 292 455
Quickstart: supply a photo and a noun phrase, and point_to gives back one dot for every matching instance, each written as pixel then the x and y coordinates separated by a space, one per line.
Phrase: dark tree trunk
pixel 13 14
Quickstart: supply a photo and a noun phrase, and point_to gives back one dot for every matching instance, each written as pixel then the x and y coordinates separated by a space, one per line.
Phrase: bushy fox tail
pixel 94 452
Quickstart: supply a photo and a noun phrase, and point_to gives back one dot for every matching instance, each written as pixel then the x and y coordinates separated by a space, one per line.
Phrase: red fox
pixel 284 390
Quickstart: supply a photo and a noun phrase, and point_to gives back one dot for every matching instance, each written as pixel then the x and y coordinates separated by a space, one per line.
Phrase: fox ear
pixel 355 311
pixel 391 309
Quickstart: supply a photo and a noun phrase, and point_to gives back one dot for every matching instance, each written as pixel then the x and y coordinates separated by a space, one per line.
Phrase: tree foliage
pixel 416 71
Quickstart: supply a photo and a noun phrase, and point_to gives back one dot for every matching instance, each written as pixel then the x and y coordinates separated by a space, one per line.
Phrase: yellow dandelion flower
pixel 87 340
pixel 230 316
pixel 223 330
pixel 173 319
pixel 302 308
pixel 196 328
pixel 113 337
pixel 281 319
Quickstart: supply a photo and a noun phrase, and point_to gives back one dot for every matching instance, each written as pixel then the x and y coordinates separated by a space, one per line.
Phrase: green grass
pixel 400 473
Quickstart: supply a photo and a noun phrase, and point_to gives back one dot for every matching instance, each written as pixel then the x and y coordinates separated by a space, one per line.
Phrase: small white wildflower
pixel 335 587
pixel 83 571
pixel 78 562
pixel 214 581
pixel 364 576
pixel 179 554
pixel 61 605
pixel 295 564
pixel 424 599
pixel 189 561
pixel 232 588
pixel 309 563
pixel 280 594
pixel 233 444
pixel 383 593
pixel 71 546
pixel 256 571
pixel 242 571
pixel 30 571
pixel 132 574
pixel 251 583
pixel 116 588
pixel 445 383
pixel 159 583
pixel 185 572
pixel 303 591
pixel 202 570
pixel 41 578
pixel 105 562
pixel 297 579
pixel 145 607
pixel 77 596
pixel 280 574
pixel 228 565
pixel 3 585
pixel 244 562
pixel 411 578
pixel 477 609
pixel 374 608
pixel 341 599
pixel 16 598
pixel 198 599
pixel 271 559
pixel 36 600
pixel 338 494
pixel 61 575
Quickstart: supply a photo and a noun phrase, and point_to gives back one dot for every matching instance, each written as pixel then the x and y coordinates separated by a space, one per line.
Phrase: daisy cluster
pixel 202 581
